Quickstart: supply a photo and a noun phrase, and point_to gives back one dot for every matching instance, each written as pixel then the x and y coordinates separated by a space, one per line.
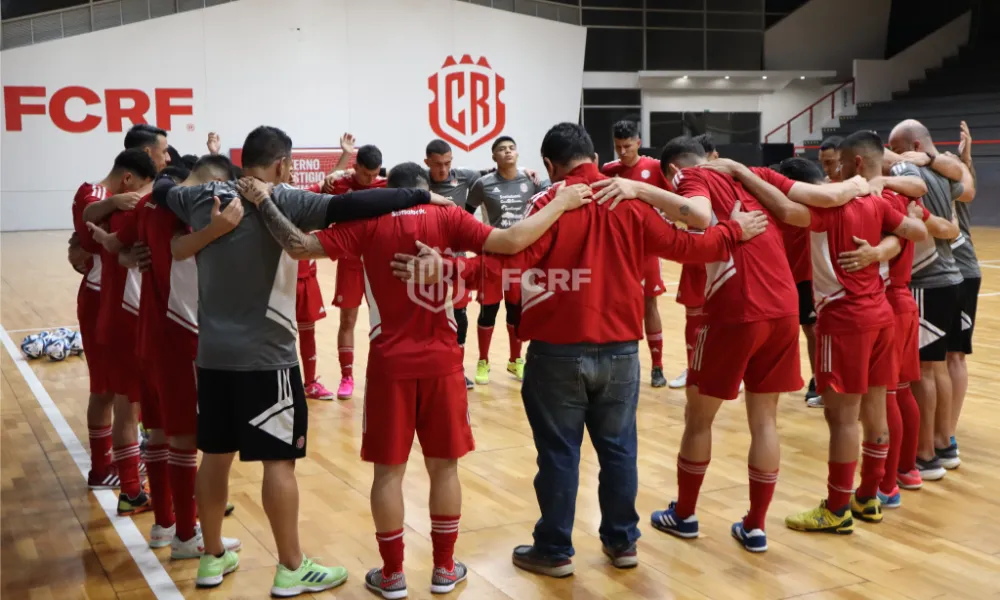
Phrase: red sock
pixel 159 483
pixel 444 533
pixel 307 345
pixel 762 485
pixel 895 419
pixel 100 448
pixel 872 468
pixel 655 341
pixel 515 342
pixel 390 546
pixel 346 356
pixel 840 484
pixel 485 336
pixel 127 460
pixel 183 467
pixel 690 475
pixel 910 413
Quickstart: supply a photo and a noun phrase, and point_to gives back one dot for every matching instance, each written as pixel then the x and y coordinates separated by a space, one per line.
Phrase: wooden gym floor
pixel 58 541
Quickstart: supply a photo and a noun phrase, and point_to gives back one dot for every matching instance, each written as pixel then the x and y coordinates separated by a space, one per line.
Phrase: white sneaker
pixel 680 382
pixel 816 402
pixel 160 537
pixel 195 547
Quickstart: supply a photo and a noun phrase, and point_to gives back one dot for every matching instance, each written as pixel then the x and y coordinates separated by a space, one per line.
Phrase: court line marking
pixel 73 326
pixel 149 565
pixel 989 294
pixel 989 266
pixel 995 260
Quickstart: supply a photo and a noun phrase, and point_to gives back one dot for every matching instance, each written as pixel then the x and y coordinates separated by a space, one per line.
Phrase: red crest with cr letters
pixel 467 110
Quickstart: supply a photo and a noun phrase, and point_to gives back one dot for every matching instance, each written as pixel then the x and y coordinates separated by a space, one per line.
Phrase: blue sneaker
pixel 754 540
pixel 668 522
pixel 893 500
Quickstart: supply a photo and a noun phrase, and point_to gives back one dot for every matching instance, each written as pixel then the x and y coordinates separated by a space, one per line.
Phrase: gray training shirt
pixel 457 186
pixel 933 263
pixel 246 282
pixel 962 248
pixel 504 200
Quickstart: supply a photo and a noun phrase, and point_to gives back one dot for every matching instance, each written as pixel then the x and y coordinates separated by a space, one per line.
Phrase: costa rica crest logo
pixel 467 110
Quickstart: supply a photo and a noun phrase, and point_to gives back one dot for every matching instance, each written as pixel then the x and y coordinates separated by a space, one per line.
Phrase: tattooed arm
pixel 298 244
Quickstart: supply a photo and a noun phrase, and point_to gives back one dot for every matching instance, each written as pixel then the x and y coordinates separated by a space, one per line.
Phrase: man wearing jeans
pixel 582 309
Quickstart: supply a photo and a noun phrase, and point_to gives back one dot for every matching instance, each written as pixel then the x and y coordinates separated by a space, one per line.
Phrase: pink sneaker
pixel 318 391
pixel 346 389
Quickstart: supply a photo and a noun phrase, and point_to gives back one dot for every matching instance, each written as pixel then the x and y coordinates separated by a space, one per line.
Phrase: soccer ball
pixel 76 344
pixel 56 349
pixel 33 346
pixel 64 333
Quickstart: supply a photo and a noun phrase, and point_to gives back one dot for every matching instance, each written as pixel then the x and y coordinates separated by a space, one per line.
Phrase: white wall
pixel 315 68
pixel 876 80
pixel 828 34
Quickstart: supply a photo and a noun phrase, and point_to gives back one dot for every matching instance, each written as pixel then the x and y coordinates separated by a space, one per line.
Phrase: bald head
pixel 910 135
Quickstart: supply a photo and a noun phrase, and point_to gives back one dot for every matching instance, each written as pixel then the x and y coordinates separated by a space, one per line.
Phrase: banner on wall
pixel 311 165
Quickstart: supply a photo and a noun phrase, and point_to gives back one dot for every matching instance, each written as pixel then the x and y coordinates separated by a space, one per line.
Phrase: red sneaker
pixel 108 480
pixel 910 480
pixel 318 391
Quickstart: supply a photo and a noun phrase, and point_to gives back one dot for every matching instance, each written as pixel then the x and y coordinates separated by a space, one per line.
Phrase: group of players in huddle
pixel 847 243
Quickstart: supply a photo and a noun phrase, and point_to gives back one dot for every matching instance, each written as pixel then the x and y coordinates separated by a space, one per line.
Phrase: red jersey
pixel 121 289
pixel 645 169
pixel 795 239
pixel 168 314
pixel 582 280
pixel 87 194
pixel 850 302
pixel 412 327
pixel 691 287
pixel 901 268
pixel 307 269
pixel 342 185
pixel 751 285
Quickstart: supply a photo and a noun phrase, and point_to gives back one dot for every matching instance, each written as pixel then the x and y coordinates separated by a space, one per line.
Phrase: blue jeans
pixel 567 387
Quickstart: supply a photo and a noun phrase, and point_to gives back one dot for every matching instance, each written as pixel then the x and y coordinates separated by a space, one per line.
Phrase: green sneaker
pixel 309 577
pixel 516 368
pixel 482 372
pixel 211 569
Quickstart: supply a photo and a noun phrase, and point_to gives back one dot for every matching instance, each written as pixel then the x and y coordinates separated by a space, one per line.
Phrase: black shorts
pixel 940 320
pixel 968 300
pixel 807 310
pixel 263 415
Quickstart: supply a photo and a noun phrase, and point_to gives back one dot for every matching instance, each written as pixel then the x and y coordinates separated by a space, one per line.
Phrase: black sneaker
pixel 930 470
pixel 657 379
pixel 626 558
pixel 811 392
pixel 948 457
pixel 469 384
pixel 529 559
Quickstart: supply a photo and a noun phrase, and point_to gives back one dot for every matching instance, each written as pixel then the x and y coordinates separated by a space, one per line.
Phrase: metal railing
pixel 104 14
pixel 840 97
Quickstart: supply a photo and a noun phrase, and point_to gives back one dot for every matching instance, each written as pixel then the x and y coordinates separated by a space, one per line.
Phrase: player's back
pixel 901 267
pixel 849 301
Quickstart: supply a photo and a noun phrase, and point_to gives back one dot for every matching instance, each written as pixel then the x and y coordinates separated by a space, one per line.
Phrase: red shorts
pixel 177 382
pixel 652 278
pixel 694 319
pixel 308 300
pixel 149 399
pixel 908 346
pixel 850 363
pixel 763 354
pixel 350 283
pixel 88 304
pixel 436 409
pixel 493 292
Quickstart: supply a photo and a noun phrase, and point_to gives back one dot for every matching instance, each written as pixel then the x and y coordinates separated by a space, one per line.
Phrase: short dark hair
pixel 866 144
pixel 175 172
pixel 216 164
pixel 136 161
pixel 143 135
pixel 567 142
pixel 407 175
pixel 175 156
pixel 500 140
pixel 237 172
pixel 382 172
pixel 800 169
pixel 831 143
pixel 625 130
pixel 265 145
pixel 438 147
pixel 189 160
pixel 369 156
pixel 679 149
pixel 706 142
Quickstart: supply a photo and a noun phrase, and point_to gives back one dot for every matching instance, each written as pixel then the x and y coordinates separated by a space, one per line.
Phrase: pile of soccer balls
pixel 57 345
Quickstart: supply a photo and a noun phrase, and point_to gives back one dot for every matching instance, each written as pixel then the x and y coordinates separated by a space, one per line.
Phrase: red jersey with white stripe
pixel 645 169
pixel 850 302
pixel 168 315
pixel 87 194
pixel 412 327
pixel 751 285
pixel 582 281
pixel 121 290
pixel 901 268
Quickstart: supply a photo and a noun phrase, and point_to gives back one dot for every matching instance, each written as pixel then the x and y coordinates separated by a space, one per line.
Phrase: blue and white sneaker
pixel 668 522
pixel 754 540
pixel 893 500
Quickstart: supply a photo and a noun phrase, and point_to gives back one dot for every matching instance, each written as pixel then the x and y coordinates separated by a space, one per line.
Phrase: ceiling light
pixel 684 77
pixel 802 76
pixel 727 76
pixel 764 77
